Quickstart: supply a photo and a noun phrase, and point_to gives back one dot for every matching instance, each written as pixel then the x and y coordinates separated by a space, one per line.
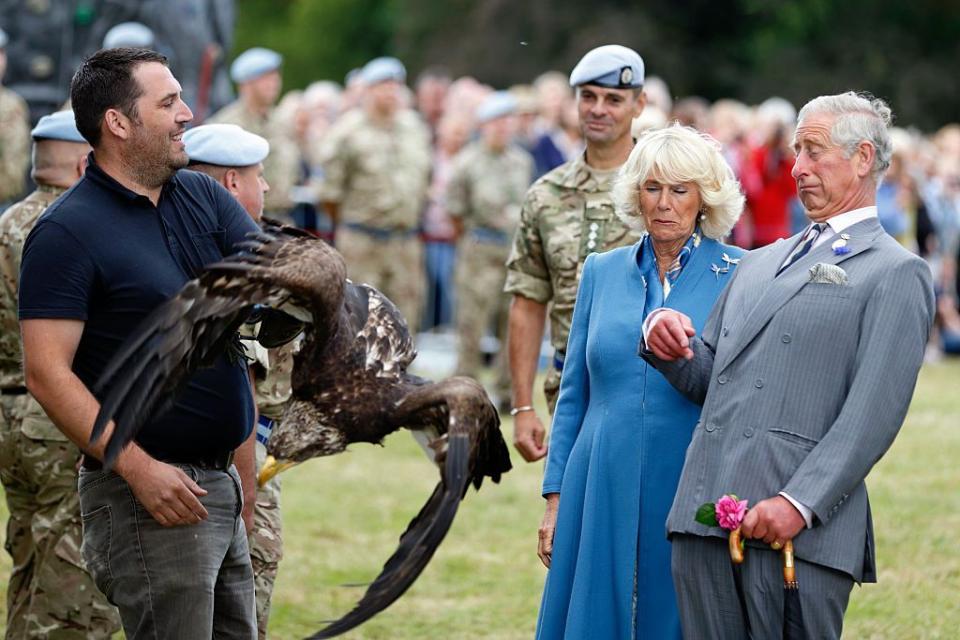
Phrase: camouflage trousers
pixel 551 388
pixel 266 543
pixel 50 594
pixel 482 305
pixel 392 264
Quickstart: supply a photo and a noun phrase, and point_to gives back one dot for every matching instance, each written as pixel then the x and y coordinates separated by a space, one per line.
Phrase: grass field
pixel 343 516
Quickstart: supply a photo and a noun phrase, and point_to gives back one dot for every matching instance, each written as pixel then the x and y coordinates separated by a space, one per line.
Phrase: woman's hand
pixel 547 526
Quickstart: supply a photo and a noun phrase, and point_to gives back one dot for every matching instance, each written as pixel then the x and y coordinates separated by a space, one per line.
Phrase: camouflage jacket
pixel 15 223
pixel 486 188
pixel 14 144
pixel 281 169
pixel 377 174
pixel 567 215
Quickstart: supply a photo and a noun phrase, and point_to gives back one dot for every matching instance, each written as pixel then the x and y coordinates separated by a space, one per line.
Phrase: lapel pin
pixel 717 270
pixel 730 261
pixel 840 246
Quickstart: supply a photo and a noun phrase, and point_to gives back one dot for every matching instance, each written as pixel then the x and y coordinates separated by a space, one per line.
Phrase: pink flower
pixel 730 512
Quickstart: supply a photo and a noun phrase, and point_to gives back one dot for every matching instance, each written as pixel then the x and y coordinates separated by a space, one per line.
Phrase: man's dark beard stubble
pixel 150 162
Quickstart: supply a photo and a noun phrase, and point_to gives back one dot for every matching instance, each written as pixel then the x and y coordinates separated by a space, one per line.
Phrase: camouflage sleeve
pixel 528 166
pixel 333 158
pixel 14 147
pixel 527 272
pixel 281 170
pixel 10 245
pixel 457 196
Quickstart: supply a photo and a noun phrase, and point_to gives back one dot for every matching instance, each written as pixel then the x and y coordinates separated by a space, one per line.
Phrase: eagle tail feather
pixel 417 544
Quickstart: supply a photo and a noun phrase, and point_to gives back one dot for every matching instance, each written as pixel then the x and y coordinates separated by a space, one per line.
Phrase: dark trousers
pixel 707 594
pixel 186 582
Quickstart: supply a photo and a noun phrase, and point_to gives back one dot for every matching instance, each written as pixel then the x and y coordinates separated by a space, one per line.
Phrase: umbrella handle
pixel 735 542
pixel 789 566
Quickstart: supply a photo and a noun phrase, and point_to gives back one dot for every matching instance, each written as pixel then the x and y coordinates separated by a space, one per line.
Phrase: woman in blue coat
pixel 620 430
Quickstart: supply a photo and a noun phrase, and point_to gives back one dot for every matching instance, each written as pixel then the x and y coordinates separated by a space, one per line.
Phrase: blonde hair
pixel 674 155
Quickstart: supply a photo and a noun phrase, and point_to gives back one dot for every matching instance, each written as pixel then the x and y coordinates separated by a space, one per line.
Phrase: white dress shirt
pixel 835 226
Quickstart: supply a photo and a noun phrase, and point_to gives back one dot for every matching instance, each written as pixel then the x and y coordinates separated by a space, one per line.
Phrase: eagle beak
pixel 271 467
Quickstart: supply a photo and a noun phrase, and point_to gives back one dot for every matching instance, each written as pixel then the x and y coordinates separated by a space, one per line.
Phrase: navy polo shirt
pixel 107 256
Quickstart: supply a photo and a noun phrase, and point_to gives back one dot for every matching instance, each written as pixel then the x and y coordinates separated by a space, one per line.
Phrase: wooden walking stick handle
pixel 789 566
pixel 736 546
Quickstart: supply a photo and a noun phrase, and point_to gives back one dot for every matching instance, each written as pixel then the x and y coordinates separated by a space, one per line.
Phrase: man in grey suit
pixel 805 371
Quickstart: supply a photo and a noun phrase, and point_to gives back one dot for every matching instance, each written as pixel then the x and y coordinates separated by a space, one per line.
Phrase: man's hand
pixel 669 338
pixel 167 493
pixel 547 526
pixel 773 520
pixel 528 435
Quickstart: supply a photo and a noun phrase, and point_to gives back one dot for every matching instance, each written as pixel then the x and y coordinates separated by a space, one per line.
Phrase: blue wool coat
pixel 617 445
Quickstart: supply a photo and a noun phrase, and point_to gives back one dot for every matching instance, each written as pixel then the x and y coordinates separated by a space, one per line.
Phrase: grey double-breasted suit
pixel 804 386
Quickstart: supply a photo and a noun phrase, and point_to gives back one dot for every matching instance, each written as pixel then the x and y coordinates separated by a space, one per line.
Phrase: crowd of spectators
pixel 918 201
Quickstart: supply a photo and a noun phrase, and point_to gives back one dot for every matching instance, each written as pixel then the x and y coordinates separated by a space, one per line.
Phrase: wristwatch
pixel 516 410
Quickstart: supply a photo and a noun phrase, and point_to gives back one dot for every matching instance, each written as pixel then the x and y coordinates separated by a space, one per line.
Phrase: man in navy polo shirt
pixel 163 536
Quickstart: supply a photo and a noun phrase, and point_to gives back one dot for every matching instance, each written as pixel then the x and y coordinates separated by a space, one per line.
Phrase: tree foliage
pixel 907 53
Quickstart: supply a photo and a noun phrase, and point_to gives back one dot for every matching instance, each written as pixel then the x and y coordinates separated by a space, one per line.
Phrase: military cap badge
pixel 626 75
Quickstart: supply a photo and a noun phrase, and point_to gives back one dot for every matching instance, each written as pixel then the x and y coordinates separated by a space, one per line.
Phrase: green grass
pixel 343 516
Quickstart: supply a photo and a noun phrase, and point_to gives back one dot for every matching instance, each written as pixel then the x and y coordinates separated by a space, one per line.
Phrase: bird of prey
pixel 350 381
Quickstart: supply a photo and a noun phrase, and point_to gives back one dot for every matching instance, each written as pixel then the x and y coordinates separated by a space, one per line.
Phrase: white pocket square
pixel 828 274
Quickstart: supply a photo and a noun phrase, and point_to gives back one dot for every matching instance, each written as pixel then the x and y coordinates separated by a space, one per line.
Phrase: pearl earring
pixel 703 215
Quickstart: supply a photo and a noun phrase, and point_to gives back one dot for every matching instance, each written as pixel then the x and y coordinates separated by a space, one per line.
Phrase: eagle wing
pixel 278 267
pixel 384 332
pixel 474 449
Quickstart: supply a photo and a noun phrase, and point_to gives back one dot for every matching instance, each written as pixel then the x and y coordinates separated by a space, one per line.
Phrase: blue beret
pixel 57 126
pixel 611 66
pixel 3 39
pixel 496 105
pixel 128 34
pixel 225 145
pixel 253 63
pixel 381 69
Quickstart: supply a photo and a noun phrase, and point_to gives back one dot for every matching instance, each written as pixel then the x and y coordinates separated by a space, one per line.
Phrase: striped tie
pixel 812 234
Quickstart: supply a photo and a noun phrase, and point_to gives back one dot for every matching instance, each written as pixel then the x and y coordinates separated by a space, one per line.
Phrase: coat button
pixel 759 383
pixel 710 427
pixel 748 433
pixel 726 331
pixel 786 338
pixel 722 379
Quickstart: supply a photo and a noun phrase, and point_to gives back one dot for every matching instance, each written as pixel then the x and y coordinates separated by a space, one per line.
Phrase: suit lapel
pixel 777 291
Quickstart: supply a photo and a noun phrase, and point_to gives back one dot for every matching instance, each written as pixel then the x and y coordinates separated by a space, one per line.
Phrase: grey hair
pixel 678 154
pixel 860 117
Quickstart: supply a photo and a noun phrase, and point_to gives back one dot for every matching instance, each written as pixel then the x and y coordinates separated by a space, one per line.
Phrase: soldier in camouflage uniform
pixel 567 215
pixel 235 158
pixel 257 74
pixel 488 180
pixel 50 594
pixel 271 372
pixel 14 137
pixel 376 164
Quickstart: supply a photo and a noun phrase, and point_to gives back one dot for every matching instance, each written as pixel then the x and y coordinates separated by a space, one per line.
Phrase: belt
pixel 13 391
pixel 487 235
pixel 264 428
pixel 214 462
pixel 379 233
pixel 558 358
